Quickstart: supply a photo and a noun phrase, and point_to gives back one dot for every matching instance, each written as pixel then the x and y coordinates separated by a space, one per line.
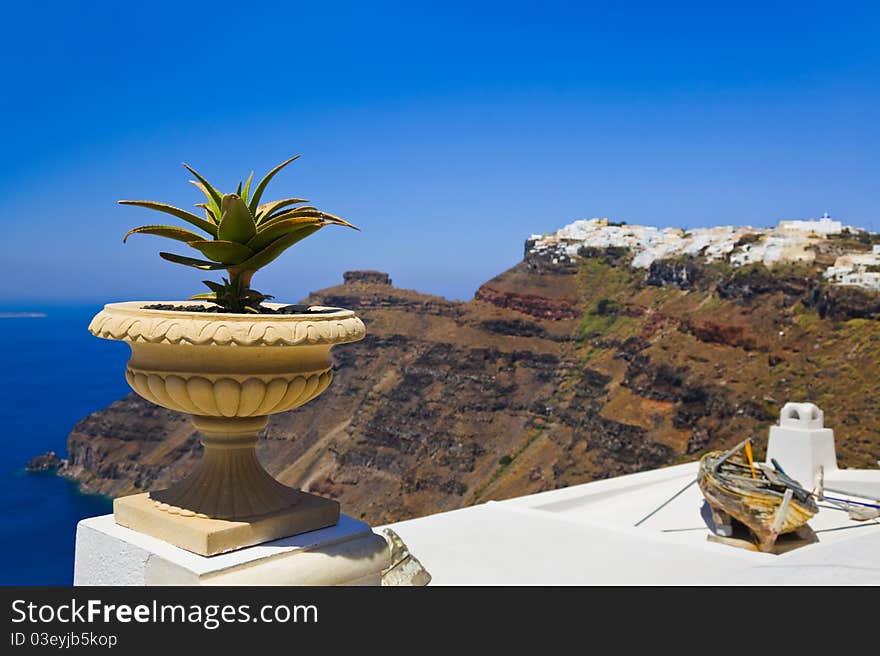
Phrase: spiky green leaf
pixel 204 297
pixel 209 212
pixel 198 185
pixel 332 218
pixel 266 209
pixel 305 211
pixel 218 250
pixel 315 218
pixel 213 207
pixel 212 193
pixel 237 223
pixel 276 230
pixel 273 250
pixel 191 261
pixel 171 232
pixel 261 187
pixel 238 189
pixel 254 295
pixel 247 188
pixel 214 286
pixel 189 217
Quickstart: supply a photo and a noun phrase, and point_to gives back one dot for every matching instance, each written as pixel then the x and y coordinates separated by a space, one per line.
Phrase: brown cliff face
pixel 553 375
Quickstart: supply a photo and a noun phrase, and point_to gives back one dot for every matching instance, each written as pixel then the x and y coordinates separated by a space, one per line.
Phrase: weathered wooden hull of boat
pixel 756 501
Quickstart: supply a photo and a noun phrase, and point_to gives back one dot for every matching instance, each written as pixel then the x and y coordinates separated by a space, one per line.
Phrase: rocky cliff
pixel 557 372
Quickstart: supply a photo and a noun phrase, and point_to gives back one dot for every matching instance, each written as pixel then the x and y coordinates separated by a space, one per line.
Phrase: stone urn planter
pixel 229 372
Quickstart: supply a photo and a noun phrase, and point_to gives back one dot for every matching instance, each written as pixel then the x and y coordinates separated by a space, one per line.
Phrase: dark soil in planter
pixel 216 309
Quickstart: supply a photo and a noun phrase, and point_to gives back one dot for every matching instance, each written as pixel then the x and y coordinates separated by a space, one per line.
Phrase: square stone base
pixel 348 553
pixel 208 537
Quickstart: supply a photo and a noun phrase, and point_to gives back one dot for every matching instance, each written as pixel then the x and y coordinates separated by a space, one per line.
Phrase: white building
pixel 646 243
pixel 856 269
pixel 790 242
pixel 824 226
pixel 774 248
pixel 867 280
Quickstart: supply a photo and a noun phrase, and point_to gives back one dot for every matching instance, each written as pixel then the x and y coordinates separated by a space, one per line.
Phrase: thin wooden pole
pixel 724 458
pixel 852 494
pixel 665 503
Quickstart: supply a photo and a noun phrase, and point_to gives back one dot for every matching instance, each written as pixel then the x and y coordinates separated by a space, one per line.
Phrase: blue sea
pixel 52 374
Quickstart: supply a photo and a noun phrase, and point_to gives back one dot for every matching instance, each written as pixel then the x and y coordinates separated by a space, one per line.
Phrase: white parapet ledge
pixel 585 535
pixel 348 553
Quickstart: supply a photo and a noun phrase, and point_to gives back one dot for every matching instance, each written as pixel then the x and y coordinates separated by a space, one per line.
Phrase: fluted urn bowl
pixel 229 372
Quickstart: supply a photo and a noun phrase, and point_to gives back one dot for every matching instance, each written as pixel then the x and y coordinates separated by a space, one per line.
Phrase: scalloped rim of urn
pixel 129 321
pixel 137 307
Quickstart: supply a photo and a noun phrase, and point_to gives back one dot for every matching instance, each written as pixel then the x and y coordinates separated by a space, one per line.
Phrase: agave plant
pixel 243 235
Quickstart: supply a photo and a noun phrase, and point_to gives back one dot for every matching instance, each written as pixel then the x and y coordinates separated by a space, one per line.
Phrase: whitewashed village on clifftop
pixel 789 241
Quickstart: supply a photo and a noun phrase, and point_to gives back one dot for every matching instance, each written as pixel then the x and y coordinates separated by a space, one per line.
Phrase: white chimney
pixel 801 444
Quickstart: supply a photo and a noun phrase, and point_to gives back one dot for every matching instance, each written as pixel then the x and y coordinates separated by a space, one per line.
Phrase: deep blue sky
pixel 448 132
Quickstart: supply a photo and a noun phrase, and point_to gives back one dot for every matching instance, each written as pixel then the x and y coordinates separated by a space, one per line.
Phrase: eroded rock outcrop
pixel 46 462
pixel 531 304
pixel 367 277
pixel 843 303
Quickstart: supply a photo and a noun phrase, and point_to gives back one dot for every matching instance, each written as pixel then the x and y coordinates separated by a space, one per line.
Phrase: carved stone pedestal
pixel 228 501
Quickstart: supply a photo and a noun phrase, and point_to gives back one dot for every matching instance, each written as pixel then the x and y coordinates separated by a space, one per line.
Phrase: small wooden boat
pixel 759 496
